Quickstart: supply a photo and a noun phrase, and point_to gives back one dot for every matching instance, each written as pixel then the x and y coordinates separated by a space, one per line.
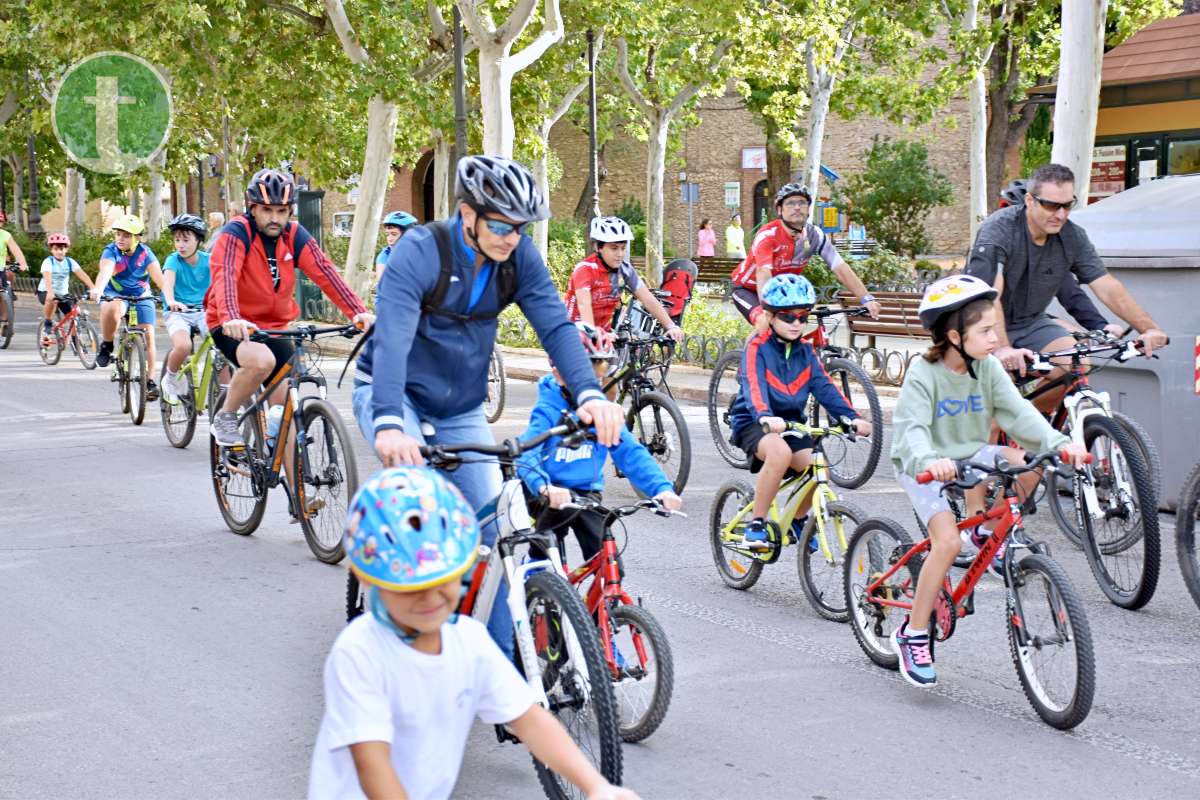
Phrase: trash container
pixel 309 298
pixel 1149 239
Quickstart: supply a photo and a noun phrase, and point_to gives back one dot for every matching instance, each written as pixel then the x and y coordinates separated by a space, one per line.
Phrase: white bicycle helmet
pixel 947 295
pixel 610 229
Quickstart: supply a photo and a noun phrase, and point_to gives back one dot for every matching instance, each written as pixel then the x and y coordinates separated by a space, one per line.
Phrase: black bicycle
pixel 310 433
pixel 1186 516
pixel 7 302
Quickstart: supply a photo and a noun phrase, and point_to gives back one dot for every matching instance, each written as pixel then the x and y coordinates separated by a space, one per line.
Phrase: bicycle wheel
pixel 87 343
pixel 722 390
pixel 6 318
pixel 493 406
pixel 49 348
pixel 1051 642
pixel 138 375
pixel 1122 545
pixel 179 418
pixel 1185 532
pixel 647 678
pixel 580 695
pixel 875 547
pixel 851 464
pixel 355 596
pixel 738 568
pixel 215 388
pixel 821 574
pixel 330 478
pixel 1145 445
pixel 237 479
pixel 657 423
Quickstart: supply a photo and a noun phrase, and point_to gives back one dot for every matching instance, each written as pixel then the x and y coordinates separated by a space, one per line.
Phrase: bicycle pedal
pixel 504 735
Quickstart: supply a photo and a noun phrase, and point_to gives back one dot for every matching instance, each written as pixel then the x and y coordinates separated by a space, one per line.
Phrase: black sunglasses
pixel 1052 206
pixel 501 228
pixel 788 317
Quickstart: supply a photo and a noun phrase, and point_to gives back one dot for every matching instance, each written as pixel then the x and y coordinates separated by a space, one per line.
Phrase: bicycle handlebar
pixel 822 313
pixel 1100 342
pixel 845 428
pixel 587 504
pixel 570 429
pixel 1032 462
pixel 305 332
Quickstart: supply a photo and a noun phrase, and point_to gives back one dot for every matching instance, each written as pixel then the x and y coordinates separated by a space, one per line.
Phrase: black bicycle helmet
pixel 271 187
pixel 1014 194
pixel 189 222
pixel 790 190
pixel 500 186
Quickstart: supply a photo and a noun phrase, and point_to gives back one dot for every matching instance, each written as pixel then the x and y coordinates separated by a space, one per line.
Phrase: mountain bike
pixel 73 328
pixel 1186 515
pixel 822 538
pixel 493 404
pixel 7 302
pixel 851 462
pixel 323 474
pixel 557 647
pixel 635 647
pixel 129 362
pixel 1110 509
pixel 201 374
pixel 1048 632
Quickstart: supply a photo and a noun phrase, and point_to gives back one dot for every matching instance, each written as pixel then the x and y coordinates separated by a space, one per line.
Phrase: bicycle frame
pixel 605 589
pixel 200 365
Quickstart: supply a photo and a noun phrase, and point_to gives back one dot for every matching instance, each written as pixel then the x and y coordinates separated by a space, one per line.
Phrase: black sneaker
pixel 104 356
pixel 151 391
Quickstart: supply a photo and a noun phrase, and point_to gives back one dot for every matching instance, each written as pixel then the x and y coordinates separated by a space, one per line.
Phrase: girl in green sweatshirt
pixel 944 413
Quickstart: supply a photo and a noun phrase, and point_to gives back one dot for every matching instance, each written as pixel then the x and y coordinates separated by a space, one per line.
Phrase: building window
pixel 1183 157
pixel 343 223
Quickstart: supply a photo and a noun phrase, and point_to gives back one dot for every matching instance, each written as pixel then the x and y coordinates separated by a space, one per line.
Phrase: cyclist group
pixel 396 720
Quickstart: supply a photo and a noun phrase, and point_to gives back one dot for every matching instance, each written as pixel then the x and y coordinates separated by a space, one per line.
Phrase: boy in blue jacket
pixel 556 472
pixel 779 372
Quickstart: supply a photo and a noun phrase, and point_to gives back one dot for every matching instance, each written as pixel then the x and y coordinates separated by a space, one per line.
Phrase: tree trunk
pixel 659 124
pixel 495 94
pixel 18 169
pixel 135 202
pixel 181 197
pixel 154 204
pixel 372 187
pixel 541 229
pixel 779 162
pixel 443 181
pixel 818 113
pixel 76 197
pixel 977 135
pixel 1078 96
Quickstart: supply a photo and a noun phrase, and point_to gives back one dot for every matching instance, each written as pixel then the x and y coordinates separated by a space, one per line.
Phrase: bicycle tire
pixel 178 419
pixel 1067 611
pixel 330 486
pixel 52 354
pixel 1114 559
pixel 355 602
pixel 252 488
pixel 600 704
pixel 8 324
pixel 873 624
pixel 493 406
pixel 215 388
pixel 1141 438
pixel 87 343
pixel 827 597
pixel 635 726
pixel 122 375
pixel 718 411
pixel 735 574
pixel 851 464
pixel 1060 496
pixel 660 441
pixel 137 377
pixel 1185 533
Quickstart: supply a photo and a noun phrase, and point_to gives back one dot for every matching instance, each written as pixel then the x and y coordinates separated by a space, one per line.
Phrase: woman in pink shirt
pixel 706 239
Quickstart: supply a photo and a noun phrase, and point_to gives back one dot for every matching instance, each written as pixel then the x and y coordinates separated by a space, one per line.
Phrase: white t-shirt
pixel 379 689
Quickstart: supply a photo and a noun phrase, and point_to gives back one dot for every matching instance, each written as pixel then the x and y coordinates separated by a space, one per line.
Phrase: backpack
pixel 506 279
pixel 678 279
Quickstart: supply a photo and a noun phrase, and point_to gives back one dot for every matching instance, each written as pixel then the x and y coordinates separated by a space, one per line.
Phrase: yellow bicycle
pixel 822 540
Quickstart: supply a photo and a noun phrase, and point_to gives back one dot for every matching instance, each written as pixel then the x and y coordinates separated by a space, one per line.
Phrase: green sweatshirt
pixel 942 414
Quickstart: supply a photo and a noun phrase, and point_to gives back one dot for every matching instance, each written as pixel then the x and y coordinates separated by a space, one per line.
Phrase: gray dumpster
pixel 1149 239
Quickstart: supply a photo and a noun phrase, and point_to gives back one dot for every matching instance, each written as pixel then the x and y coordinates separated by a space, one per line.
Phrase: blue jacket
pixel 581 469
pixel 777 378
pixel 441 364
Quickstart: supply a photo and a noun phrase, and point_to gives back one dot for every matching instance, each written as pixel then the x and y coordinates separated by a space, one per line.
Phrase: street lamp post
pixel 460 98
pixel 594 159
pixel 34 225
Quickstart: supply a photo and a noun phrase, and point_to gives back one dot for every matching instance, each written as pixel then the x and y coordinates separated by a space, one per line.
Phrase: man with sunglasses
pixel 1026 251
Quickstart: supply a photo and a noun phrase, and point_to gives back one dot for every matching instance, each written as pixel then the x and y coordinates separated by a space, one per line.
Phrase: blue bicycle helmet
pixel 401 219
pixel 788 291
pixel 409 529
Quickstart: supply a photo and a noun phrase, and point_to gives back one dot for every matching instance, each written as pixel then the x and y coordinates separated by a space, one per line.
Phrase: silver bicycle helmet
pixel 500 186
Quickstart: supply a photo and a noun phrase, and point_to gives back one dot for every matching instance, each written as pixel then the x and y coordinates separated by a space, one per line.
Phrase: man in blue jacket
pixel 437 303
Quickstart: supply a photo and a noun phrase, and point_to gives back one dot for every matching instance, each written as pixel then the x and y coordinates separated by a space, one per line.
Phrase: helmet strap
pixel 790 226
pixel 381 615
pixel 969 360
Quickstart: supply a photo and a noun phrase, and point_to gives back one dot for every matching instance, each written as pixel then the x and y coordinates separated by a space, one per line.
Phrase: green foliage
pixel 561 258
pixel 894 193
pixel 631 211
pixel 885 268
pixel 1036 150
pixel 713 319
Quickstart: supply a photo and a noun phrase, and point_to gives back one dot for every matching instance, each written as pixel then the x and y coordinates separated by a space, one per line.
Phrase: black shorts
pixel 749 437
pixel 64 306
pixel 282 349
pixel 745 301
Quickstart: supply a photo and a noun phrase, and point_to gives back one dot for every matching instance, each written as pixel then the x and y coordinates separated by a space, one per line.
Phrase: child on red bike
pixel 57 270
pixel 779 372
pixel 944 413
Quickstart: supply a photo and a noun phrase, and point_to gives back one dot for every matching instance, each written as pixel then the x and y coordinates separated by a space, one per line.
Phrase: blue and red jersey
pixel 131 275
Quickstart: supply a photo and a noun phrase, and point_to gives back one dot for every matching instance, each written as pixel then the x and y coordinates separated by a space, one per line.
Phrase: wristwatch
pixel 866 298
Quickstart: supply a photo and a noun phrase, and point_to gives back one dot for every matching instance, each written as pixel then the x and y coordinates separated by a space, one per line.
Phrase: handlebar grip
pixel 1063 455
pixel 925 477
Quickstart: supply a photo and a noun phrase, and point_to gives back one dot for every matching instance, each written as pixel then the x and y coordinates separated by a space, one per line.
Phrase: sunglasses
pixel 1052 206
pixel 501 228
pixel 789 317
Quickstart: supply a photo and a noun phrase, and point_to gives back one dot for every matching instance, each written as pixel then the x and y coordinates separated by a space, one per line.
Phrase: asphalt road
pixel 147 652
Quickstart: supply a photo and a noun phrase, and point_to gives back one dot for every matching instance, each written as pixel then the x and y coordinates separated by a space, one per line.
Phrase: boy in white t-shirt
pixel 405 681
pixel 56 279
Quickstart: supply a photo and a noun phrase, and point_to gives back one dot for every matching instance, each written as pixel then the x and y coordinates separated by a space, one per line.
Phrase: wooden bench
pixel 715 271
pixel 855 248
pixel 897 318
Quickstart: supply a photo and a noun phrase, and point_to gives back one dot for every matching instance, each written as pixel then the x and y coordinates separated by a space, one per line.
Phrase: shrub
pixel 631 211
pixel 883 268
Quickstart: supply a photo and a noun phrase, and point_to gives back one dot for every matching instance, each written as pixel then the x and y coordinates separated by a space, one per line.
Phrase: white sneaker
pixel 171 388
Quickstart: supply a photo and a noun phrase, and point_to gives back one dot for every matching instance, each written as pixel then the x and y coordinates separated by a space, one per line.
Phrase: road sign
pixel 689 193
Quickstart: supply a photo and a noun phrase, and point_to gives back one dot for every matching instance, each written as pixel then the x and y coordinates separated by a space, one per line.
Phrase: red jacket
pixel 242 286
pixel 774 247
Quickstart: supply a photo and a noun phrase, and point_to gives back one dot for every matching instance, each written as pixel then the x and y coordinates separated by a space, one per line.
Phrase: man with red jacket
pixel 253 262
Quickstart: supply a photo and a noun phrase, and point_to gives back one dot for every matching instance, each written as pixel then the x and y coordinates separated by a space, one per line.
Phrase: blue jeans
pixel 479 483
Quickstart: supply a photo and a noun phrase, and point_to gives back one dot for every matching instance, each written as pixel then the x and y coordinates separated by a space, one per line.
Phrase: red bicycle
pixel 1048 632
pixel 72 327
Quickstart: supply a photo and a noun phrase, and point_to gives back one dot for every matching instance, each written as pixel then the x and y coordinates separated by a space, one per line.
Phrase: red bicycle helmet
pixel 58 238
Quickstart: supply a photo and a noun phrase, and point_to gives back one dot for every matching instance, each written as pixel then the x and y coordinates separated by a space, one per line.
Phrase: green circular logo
pixel 112 112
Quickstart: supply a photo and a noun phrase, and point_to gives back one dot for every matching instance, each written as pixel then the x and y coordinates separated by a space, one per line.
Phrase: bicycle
pixel 74 328
pixel 129 363
pixel 881 571
pixel 1110 510
pixel 822 540
pixel 493 404
pixel 1186 515
pixel 324 474
pixel 653 417
pixel 549 619
pixel 200 373
pixel 643 688
pixel 851 462
pixel 8 301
